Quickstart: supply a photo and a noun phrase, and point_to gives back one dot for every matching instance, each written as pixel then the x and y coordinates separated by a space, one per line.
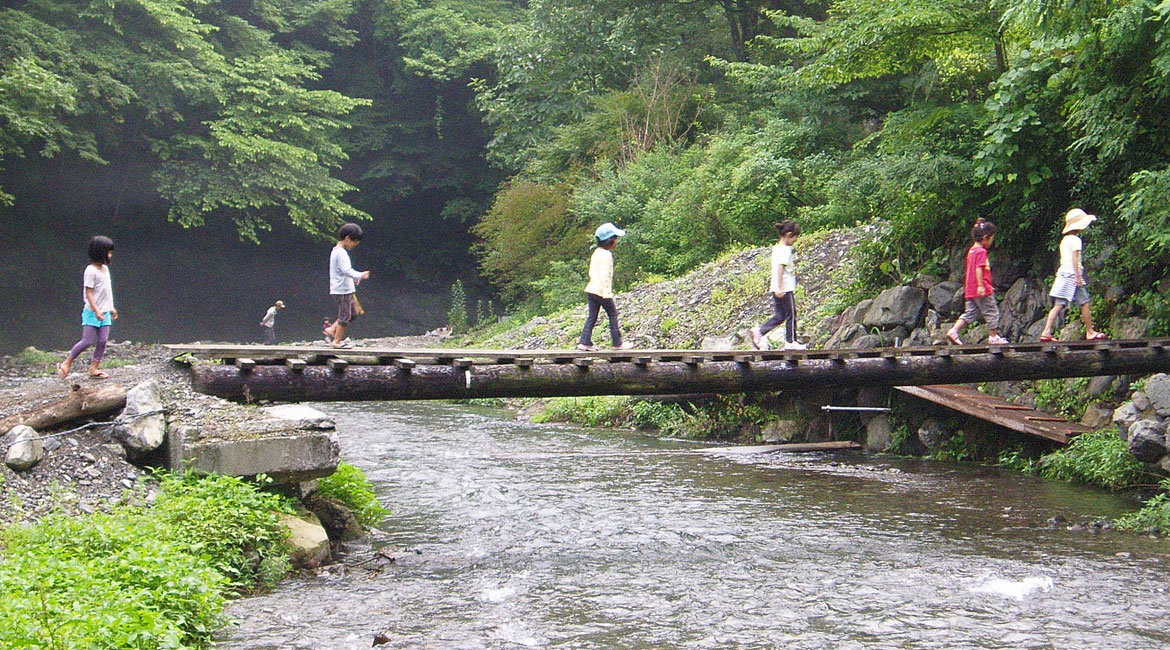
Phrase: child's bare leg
pixel 1087 320
pixel 1051 321
pixel 338 333
pixel 958 327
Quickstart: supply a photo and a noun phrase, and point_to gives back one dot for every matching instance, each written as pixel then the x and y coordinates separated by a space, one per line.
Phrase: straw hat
pixel 280 304
pixel 1077 219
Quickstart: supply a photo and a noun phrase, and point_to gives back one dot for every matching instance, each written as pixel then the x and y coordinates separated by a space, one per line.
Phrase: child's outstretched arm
pixel 1077 268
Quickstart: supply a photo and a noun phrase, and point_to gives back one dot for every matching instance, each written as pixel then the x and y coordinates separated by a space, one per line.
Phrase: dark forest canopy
pixel 493 135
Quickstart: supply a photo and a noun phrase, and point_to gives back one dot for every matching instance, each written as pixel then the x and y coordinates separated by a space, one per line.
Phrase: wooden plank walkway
pixel 465 357
pixel 1024 419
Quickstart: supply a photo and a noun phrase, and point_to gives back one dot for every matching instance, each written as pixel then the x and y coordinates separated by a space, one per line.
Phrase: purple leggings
pixel 89 334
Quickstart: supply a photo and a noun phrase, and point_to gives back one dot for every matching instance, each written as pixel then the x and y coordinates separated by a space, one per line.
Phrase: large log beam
pixel 321 383
pixel 75 404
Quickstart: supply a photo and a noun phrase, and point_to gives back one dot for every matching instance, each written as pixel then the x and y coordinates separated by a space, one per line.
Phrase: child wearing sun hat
pixel 1069 287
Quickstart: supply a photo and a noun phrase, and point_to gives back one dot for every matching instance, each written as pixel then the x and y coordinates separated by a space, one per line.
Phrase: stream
pixel 507 534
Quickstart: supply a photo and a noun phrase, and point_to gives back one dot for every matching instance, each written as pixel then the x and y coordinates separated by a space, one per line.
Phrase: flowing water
pixel 512 535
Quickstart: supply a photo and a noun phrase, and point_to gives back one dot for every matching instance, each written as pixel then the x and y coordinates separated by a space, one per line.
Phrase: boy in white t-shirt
pixel 782 287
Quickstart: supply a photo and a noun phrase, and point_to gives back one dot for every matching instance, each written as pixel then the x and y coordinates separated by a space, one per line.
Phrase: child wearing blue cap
pixel 599 291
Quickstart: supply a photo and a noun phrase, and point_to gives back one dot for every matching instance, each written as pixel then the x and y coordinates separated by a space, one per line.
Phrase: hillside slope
pixel 715 302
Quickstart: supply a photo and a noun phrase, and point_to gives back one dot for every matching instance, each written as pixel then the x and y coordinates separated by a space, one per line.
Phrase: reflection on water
pixel 557 537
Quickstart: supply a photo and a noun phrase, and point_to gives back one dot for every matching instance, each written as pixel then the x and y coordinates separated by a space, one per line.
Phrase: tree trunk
pixel 79 403
pixel 321 383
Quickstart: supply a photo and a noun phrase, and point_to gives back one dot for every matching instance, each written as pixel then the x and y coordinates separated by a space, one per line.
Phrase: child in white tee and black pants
pixel 783 288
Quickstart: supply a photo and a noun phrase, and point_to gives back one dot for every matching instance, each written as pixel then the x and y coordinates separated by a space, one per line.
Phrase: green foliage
pixel 600 411
pixel 457 318
pixel 231 523
pixel 31 356
pixel 955 448
pixel 666 418
pixel 1065 396
pixel 1154 514
pixel 1100 458
pixel 223 109
pixel 138 578
pixel 527 228
pixel 1018 460
pixel 349 485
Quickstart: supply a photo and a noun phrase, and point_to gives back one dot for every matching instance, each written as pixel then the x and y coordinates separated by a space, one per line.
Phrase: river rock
pixel 897 306
pixel 867 342
pixel 918 337
pixel 1158 390
pixel 924 282
pixel 1147 440
pixel 308 542
pixel 1164 464
pixel 1022 305
pixel 1140 401
pixel 140 435
pixel 878 433
pixel 1126 415
pixel 1101 385
pixel 842 337
pixel 1097 415
pixel 942 296
pixel 24 450
pixel 337 519
pixel 1132 327
pixel 932 434
pixel 780 431
pixel 719 342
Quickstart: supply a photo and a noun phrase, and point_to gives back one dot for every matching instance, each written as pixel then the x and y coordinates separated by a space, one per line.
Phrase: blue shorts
pixel 88 317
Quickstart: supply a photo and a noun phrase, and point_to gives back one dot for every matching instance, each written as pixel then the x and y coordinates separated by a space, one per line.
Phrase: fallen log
pixel 76 404
pixel 320 383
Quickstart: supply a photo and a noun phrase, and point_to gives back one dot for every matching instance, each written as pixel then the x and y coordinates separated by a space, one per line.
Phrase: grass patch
pixel 137 577
pixel 601 411
pixel 1099 458
pixel 1155 513
pixel 349 485
pixel 1065 396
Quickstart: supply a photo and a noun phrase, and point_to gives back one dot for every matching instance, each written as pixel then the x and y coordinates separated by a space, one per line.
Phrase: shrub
pixel 667 418
pixel 233 524
pixel 1065 396
pixel 349 485
pixel 1100 458
pixel 457 314
pixel 139 578
pixel 1155 513
pixel 602 411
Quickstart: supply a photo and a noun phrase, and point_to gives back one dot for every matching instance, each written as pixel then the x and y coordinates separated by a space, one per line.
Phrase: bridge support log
pixel 320 383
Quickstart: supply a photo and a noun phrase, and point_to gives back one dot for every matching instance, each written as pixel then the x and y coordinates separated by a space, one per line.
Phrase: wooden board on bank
pixel 791 448
pixel 970 401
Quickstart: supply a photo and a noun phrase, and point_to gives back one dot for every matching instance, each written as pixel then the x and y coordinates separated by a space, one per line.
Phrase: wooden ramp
pixel 1024 419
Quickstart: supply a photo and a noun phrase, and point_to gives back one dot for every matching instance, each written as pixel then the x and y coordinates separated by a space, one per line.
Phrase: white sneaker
pixel 587 348
pixel 626 345
pixel 795 345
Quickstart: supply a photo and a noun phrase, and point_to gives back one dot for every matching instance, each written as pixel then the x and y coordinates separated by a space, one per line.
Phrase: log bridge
pixel 302 373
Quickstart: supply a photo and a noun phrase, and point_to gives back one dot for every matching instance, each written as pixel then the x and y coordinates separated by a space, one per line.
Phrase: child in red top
pixel 977 288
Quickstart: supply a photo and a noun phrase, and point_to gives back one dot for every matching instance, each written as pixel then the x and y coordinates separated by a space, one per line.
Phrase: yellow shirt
pixel 600 274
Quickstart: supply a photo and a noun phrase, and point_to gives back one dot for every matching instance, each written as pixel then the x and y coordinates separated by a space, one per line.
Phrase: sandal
pixel 1097 336
pixel 1046 338
pixel 101 374
pixel 62 371
pixel 954 338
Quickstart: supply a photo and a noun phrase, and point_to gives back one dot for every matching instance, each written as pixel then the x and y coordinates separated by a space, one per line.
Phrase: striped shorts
pixel 1066 292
